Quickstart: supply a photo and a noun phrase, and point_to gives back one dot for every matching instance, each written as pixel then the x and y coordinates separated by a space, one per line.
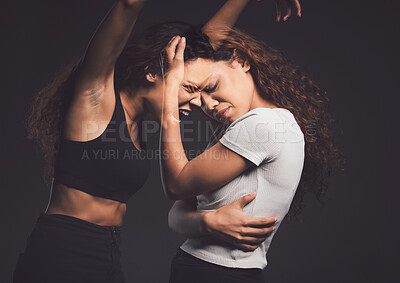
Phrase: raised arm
pixel 226 17
pixel 93 94
pixel 229 13
pixel 227 223
pixel 108 42
pixel 210 170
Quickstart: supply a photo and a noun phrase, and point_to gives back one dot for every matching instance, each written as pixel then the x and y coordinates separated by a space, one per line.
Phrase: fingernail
pixel 276 219
pixel 183 39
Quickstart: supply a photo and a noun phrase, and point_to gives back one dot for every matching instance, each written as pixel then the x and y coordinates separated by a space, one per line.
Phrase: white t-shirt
pixel 272 140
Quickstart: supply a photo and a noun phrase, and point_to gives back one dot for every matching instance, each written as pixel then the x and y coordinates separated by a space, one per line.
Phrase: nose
pixel 196 101
pixel 209 103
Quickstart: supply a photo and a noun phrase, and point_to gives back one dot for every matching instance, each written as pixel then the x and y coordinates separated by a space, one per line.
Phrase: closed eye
pixel 191 89
pixel 211 89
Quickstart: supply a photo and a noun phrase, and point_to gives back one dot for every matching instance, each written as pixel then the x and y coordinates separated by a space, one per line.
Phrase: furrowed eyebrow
pixel 192 88
pixel 192 83
pixel 202 85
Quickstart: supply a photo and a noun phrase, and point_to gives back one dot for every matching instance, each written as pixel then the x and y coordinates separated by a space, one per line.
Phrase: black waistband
pixel 54 219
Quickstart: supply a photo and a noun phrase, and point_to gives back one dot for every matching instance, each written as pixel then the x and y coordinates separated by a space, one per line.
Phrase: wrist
pixel 207 220
pixel 170 120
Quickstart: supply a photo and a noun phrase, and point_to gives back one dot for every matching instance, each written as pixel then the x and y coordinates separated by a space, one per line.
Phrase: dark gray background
pixel 349 47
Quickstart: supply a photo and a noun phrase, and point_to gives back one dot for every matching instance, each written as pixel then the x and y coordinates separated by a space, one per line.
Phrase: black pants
pixel 186 268
pixel 67 249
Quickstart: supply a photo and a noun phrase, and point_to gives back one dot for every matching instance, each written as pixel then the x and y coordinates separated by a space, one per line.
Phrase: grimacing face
pixel 226 89
pixel 187 99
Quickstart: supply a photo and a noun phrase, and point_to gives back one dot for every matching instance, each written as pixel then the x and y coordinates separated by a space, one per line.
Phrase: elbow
pixel 175 192
pixel 174 195
pixel 174 218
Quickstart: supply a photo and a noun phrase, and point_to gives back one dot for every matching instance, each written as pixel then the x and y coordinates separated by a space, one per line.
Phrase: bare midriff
pixel 72 202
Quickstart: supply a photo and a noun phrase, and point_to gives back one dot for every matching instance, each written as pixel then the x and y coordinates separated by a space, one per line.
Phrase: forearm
pixel 227 223
pixel 110 38
pixel 185 220
pixel 173 155
pixel 183 179
pixel 206 172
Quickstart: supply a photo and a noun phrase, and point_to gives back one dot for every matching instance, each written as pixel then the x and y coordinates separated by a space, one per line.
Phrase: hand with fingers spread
pixel 231 225
pixel 285 7
pixel 175 50
pixel 174 76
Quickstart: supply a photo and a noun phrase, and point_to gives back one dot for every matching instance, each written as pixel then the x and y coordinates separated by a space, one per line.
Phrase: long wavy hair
pixel 279 80
pixel 140 56
pixel 284 84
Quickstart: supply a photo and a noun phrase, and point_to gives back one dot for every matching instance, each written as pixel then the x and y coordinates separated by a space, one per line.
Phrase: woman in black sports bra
pixel 90 121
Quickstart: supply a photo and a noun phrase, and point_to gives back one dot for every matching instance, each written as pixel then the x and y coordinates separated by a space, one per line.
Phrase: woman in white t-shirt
pixel 275 140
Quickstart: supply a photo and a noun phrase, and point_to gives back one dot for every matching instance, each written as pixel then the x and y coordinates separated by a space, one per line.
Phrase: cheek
pixel 238 83
pixel 238 94
pixel 183 95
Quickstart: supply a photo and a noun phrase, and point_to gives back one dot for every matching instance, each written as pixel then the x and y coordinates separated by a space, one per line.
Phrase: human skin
pixel 94 101
pixel 183 217
pixel 228 92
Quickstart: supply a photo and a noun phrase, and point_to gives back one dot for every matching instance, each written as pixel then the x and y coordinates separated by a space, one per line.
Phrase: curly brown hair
pixel 276 77
pixel 46 117
pixel 284 84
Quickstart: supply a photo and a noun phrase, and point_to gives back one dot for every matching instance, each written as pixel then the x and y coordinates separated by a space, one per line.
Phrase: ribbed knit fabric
pixel 272 140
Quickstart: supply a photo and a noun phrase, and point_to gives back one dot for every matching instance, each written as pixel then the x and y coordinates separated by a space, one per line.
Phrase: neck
pixel 133 105
pixel 140 102
pixel 259 101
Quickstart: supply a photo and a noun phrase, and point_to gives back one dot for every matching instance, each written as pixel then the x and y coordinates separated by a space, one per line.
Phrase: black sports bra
pixel 109 166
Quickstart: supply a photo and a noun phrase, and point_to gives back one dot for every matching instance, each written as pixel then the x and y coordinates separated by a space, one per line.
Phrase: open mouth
pixel 184 112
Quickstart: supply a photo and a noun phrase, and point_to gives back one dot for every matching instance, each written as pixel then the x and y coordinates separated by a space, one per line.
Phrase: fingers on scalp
pixel 174 40
pixel 171 47
pixel 180 49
